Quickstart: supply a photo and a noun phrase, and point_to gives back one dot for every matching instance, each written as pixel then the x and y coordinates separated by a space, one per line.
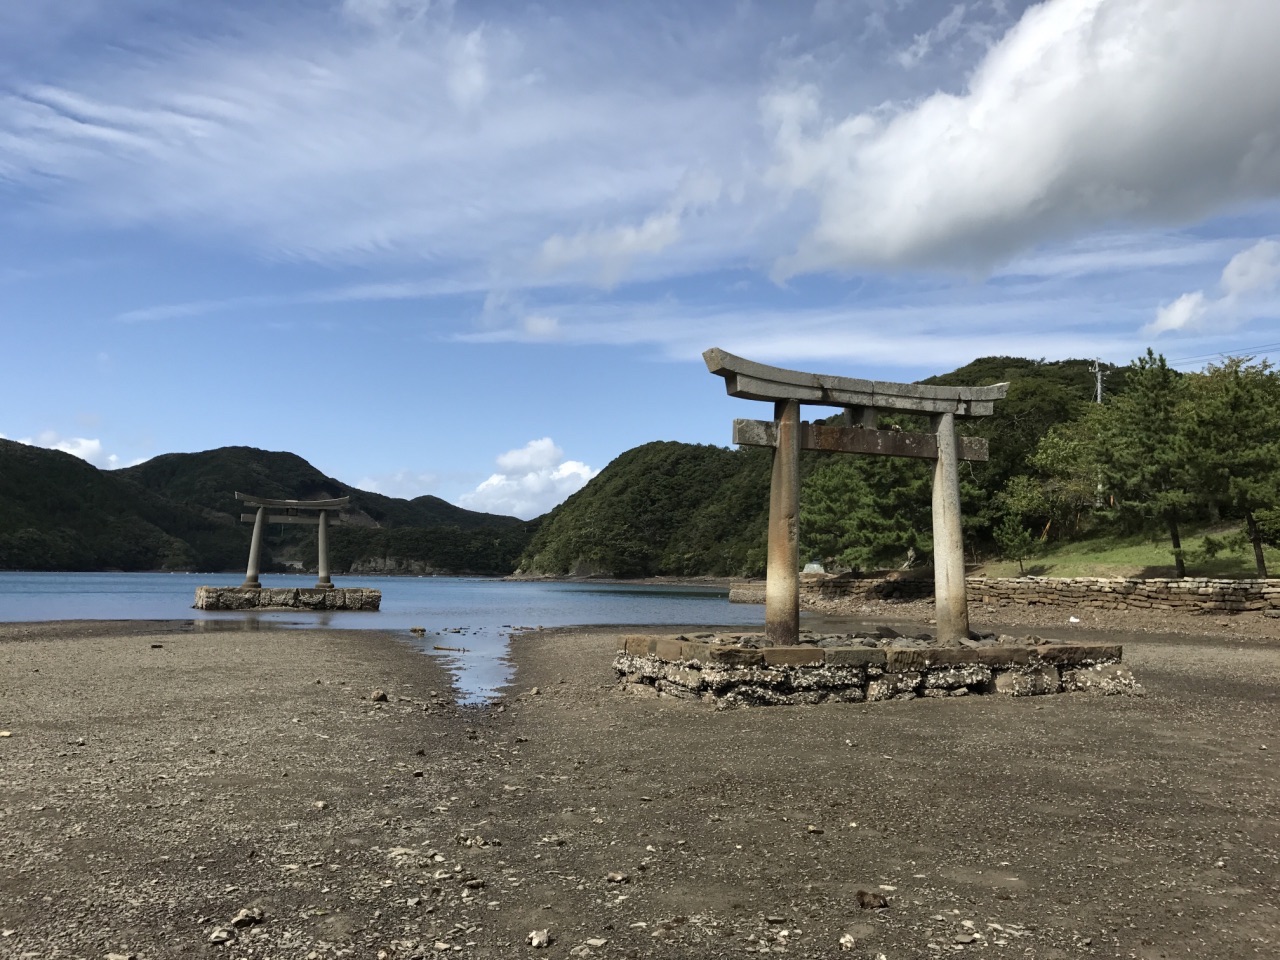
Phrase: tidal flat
pixel 175 793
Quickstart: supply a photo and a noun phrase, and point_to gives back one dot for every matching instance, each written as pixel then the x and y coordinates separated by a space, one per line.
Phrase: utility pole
pixel 1096 370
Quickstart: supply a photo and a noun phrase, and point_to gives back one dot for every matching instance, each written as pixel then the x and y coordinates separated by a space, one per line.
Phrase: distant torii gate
pixel 863 399
pixel 289 514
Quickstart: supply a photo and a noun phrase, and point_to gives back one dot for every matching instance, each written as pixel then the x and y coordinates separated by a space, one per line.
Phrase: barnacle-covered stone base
pixel 730 670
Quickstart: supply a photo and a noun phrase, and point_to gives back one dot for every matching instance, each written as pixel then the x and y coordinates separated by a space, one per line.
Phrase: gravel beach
pixel 167 791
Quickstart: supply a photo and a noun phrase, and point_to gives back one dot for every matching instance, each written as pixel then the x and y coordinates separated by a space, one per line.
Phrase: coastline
pixel 154 792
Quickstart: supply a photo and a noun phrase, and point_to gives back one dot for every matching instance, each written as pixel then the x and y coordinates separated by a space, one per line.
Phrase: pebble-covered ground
pixel 171 793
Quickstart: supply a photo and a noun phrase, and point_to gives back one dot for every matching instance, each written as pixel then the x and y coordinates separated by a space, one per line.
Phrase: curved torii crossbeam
pixel 863 399
pixel 289 512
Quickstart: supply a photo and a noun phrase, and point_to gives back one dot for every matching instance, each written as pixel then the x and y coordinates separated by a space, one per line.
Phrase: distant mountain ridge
pixel 662 508
pixel 178 512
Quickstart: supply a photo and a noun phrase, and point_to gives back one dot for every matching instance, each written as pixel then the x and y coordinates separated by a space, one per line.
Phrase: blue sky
pixel 476 249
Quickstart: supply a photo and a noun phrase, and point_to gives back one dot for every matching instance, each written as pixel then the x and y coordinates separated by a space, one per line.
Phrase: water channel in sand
pixel 476 616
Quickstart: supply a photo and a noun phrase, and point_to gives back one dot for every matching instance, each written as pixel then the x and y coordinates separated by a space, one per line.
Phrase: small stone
pixel 868 900
pixel 247 917
pixel 157 646
pixel 847 941
pixel 539 939
pixel 536 691
pixel 378 696
pixel 320 805
pixel 596 941
pixel 964 938
pixel 616 877
pixel 222 935
pixel 811 828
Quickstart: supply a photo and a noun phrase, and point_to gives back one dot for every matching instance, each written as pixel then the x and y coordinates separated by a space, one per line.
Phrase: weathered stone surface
pixel 1029 681
pixel 736 656
pixel 851 668
pixel 287 598
pixel 855 656
pixel 1073 654
pixel 638 646
pixel 793 656
pixel 669 648
pixel 1106 679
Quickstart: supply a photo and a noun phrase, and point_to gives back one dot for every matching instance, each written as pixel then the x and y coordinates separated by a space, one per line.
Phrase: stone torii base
pixel 787 435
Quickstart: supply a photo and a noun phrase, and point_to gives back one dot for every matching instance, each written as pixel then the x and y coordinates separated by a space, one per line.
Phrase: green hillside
pixel 1165 449
pixel 179 512
pixel 663 508
pixel 59 513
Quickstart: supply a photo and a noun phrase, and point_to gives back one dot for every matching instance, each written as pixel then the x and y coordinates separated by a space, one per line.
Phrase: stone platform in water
pixel 287 598
pixel 743 670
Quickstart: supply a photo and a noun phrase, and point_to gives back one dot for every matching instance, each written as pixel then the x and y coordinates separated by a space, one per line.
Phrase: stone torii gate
pixel 288 512
pixel 863 399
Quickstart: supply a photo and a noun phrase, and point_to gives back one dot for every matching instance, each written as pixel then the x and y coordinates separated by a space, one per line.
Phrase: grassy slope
pixel 1134 556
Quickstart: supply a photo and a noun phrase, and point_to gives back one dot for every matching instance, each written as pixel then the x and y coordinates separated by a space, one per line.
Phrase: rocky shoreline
pixel 174 791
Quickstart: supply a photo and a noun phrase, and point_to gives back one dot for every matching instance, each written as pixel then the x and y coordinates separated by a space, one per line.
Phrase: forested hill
pixel 682 510
pixel 178 512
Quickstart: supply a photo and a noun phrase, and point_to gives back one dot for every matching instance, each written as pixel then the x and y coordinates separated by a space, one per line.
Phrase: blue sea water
pixel 474 614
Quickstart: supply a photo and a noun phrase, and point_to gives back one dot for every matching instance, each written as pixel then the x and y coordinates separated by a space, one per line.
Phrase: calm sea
pixel 477 615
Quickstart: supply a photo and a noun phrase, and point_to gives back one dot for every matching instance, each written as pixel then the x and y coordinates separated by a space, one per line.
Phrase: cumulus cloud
pixel 529 481
pixel 1248 285
pixel 1086 113
pixel 86 448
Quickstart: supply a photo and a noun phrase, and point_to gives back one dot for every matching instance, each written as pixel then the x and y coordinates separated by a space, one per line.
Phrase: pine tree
pixel 1143 452
pixel 1233 427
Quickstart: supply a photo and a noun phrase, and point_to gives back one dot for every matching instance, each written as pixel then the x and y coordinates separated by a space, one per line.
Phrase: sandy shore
pixel 158 780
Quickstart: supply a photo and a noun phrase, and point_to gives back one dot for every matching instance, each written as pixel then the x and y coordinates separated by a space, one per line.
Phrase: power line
pixel 1232 353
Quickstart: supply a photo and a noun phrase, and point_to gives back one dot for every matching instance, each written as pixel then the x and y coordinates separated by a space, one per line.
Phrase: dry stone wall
pixel 1113 593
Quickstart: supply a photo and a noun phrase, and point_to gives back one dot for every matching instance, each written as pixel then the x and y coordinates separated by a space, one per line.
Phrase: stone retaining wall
pixel 1113 593
pixel 287 598
pixel 727 675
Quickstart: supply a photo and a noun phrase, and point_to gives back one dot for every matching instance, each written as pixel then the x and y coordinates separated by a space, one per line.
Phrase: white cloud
pixel 1248 284
pixel 530 481
pixel 88 449
pixel 616 247
pixel 405 484
pixel 1087 113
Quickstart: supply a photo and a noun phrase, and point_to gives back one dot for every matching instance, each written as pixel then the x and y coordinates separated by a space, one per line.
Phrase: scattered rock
pixel 222 935
pixel 869 900
pixel 378 696
pixel 247 917
pixel 539 939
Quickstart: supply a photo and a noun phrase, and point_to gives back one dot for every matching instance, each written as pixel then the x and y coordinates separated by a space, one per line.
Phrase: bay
pixel 474 615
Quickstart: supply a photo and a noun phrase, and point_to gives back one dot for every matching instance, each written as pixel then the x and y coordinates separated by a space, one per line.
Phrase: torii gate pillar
pixel 951 601
pixel 782 577
pixel 291 511
pixel 787 434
